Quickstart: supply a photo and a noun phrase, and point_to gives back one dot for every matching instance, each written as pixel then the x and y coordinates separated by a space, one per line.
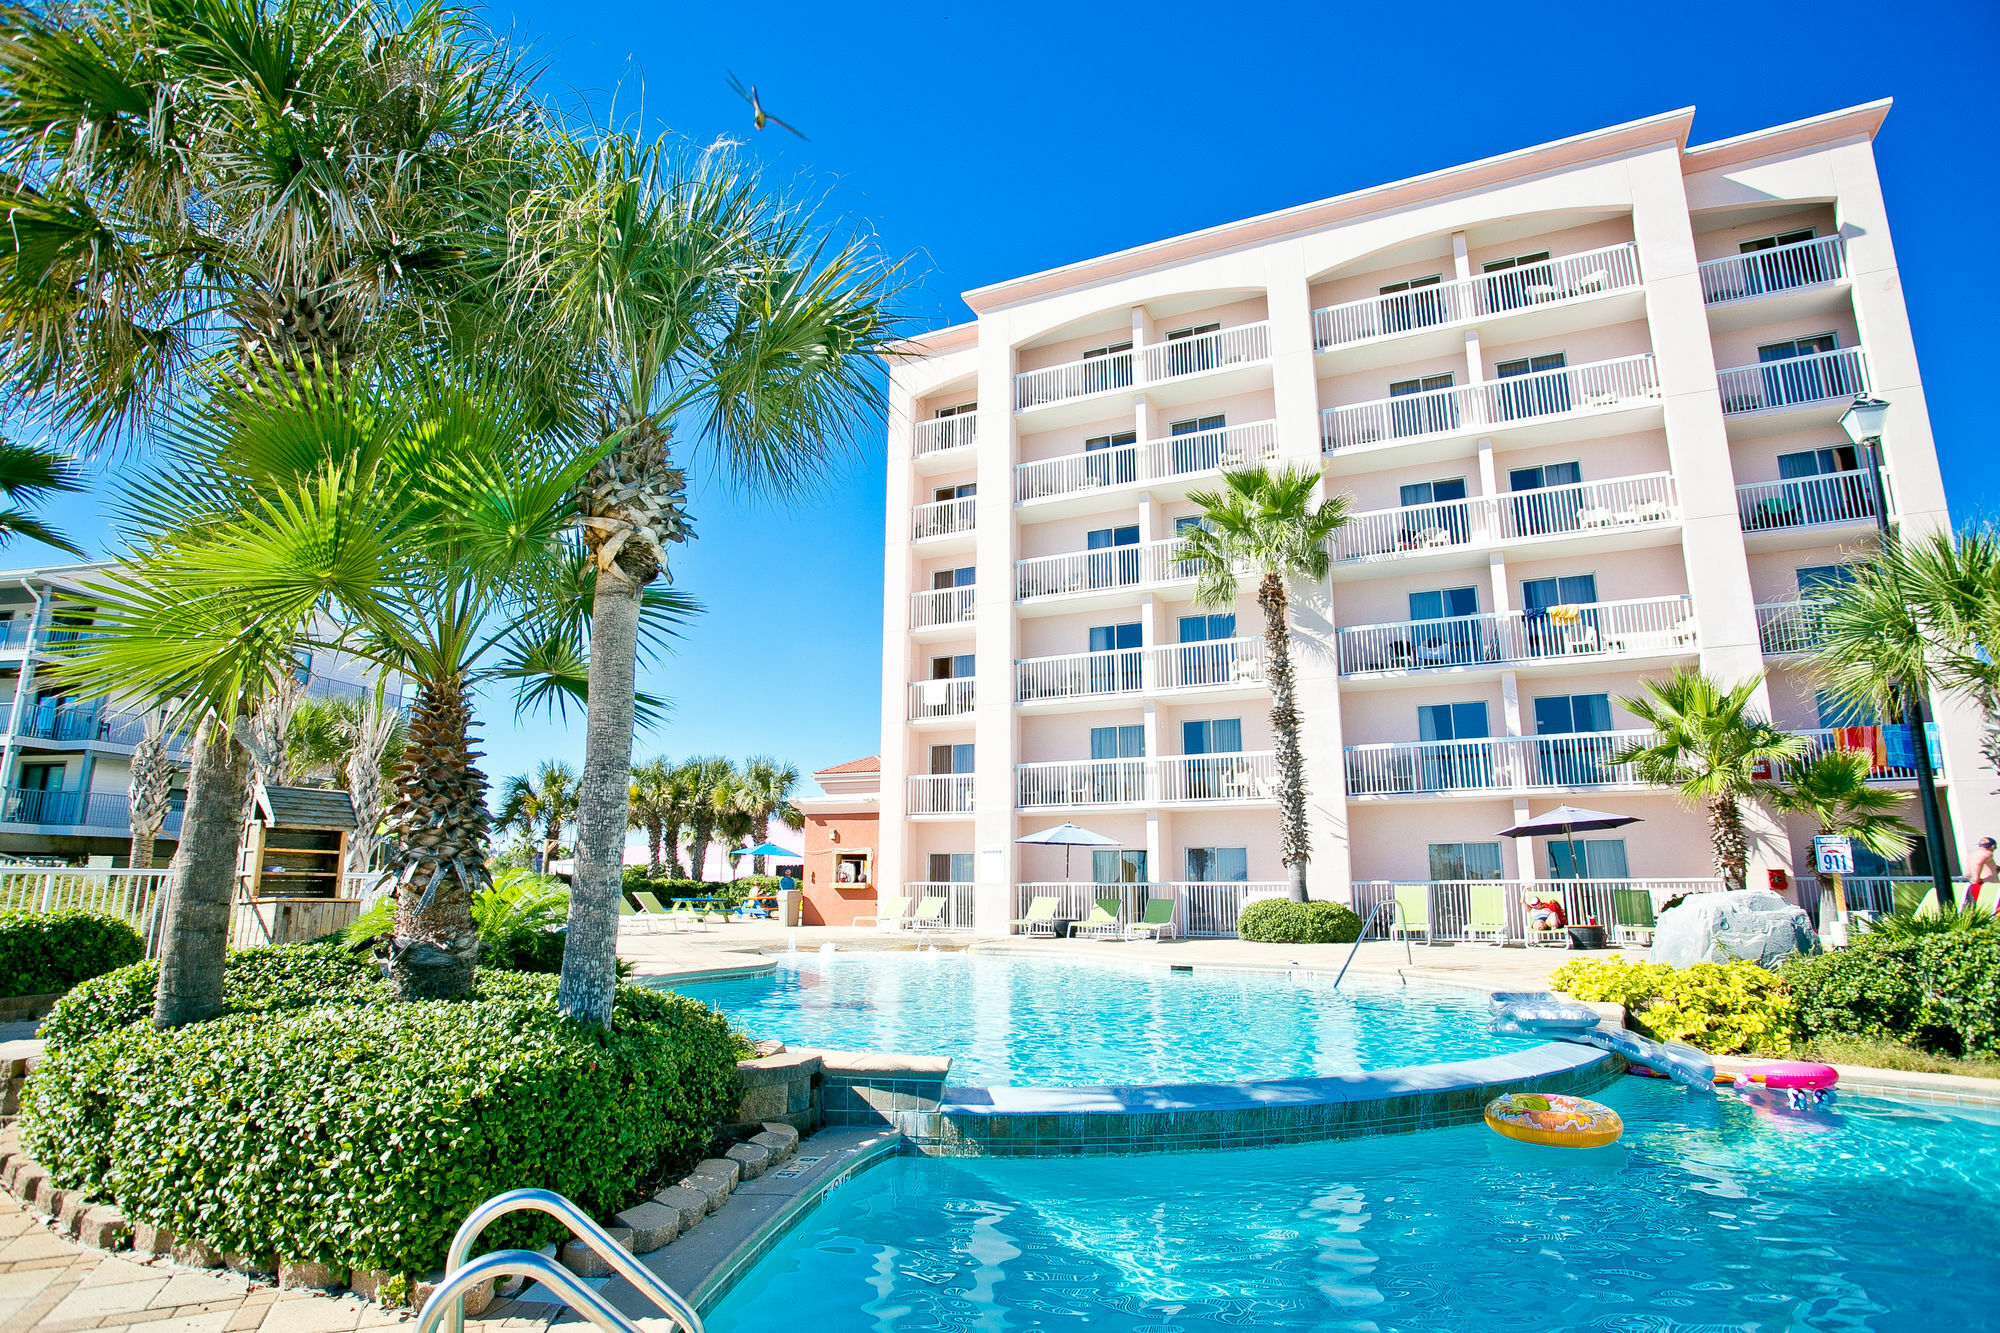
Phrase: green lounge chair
pixel 888 914
pixel 651 907
pixel 1414 914
pixel 930 915
pixel 1041 917
pixel 1632 910
pixel 625 908
pixel 1486 912
pixel 1915 899
pixel 1156 924
pixel 1103 919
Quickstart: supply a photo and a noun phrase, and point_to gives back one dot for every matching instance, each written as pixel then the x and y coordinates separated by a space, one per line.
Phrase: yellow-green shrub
pixel 1728 1008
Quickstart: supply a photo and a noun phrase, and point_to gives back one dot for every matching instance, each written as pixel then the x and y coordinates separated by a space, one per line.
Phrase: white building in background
pixel 66 764
pixel 1584 398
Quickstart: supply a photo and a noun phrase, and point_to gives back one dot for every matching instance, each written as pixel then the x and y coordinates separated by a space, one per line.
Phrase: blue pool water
pixel 1077 1024
pixel 1877 1216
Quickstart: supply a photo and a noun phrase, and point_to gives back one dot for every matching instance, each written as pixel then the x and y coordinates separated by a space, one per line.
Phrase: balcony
pixel 936 700
pixel 1787 629
pixel 1149 463
pixel 1221 665
pixel 1569 394
pixel 1800 389
pixel 1150 367
pixel 105 812
pixel 1112 570
pixel 1490 764
pixel 1204 779
pixel 1615 510
pixel 1530 290
pixel 942 434
pixel 1800 503
pixel 1638 628
pixel 1891 756
pixel 937 519
pixel 940 794
pixel 80 723
pixel 1202 910
pixel 940 608
pixel 1766 286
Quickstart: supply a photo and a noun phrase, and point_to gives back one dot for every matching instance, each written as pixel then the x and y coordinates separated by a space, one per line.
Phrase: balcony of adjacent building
pixel 1797 384
pixel 107 814
pixel 1105 473
pixel 60 725
pixel 945 440
pixel 938 612
pixel 940 795
pixel 1815 509
pixel 1635 632
pixel 1200 780
pixel 1218 669
pixel 1780 277
pixel 1200 360
pixel 1546 296
pixel 1107 575
pixel 945 524
pixel 20 634
pixel 1534 405
pixel 1617 513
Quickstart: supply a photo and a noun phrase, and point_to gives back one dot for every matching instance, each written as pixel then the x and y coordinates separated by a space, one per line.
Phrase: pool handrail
pixel 1408 957
pixel 446 1305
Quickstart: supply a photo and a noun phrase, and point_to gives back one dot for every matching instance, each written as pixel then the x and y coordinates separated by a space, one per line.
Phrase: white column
pixel 996 639
pixel 892 842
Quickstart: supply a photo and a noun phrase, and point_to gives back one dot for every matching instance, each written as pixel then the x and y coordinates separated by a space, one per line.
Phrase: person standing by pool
pixel 1984 873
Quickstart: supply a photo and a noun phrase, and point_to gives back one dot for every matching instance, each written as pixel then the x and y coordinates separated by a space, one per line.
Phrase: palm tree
pixel 1830 787
pixel 29 475
pixel 1710 747
pixel 714 785
pixel 767 788
pixel 678 291
pixel 653 808
pixel 194 184
pixel 355 743
pixel 1264 526
pixel 544 803
pixel 318 740
pixel 149 789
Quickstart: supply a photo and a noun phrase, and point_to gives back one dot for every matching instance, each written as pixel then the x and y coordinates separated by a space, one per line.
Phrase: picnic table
pixel 699 906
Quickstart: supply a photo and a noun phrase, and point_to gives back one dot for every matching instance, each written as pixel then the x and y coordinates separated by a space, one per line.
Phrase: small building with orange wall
pixel 841 841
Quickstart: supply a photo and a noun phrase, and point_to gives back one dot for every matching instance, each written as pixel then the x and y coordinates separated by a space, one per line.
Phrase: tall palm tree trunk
pixel 670 836
pixel 1295 844
pixel 437 848
pixel 763 836
pixel 604 797
pixel 201 884
pixel 152 781
pixel 363 773
pixel 700 832
pixel 655 833
pixel 1725 830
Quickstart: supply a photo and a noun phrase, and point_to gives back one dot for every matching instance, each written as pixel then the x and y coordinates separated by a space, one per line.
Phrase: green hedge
pixel 1938 992
pixel 44 953
pixel 1282 921
pixel 359 1134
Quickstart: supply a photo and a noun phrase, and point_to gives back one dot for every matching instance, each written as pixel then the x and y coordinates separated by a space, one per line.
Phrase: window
pixel 951 867
pixel 1452 722
pixel 1545 395
pixel 1106 638
pixel 952 668
pixel 1423 415
pixel 1208 628
pixel 1110 567
pixel 1118 671
pixel 966 491
pixel 1572 714
pixel 1546 634
pixel 40 798
pixel 1521 280
pixel 1114 469
pixel 1222 735
pixel 1773 242
pixel 1444 602
pixel 1113 371
pixel 1572 753
pixel 1465 860
pixel 1433 492
pixel 1192 331
pixel 951 759
pixel 1413 304
pixel 1567 590
pixel 1825 486
pixel 1112 350
pixel 1835 711
pixel 41 777
pixel 1811 345
pixel 952 578
pixel 1194 352
pixel 1819 462
pixel 1823 580
pixel 850 868
pixel 1218 865
pixel 1535 515
pixel 1452 767
pixel 1770 270
pixel 957 411
pixel 1207 777
pixel 1602 858
pixel 1456 642
pixel 1212 661
pixel 1118 742
pixel 1795 371
pixel 1118 781
pixel 1435 514
pixel 1198 443
pixel 1111 865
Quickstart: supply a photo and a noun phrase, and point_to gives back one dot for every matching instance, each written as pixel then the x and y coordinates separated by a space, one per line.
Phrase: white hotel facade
pixel 1585 401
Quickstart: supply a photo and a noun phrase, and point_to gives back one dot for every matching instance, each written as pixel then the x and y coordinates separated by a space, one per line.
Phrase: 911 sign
pixel 1834 855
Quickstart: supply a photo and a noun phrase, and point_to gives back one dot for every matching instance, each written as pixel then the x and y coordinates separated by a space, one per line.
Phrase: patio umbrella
pixel 1568 820
pixel 767 849
pixel 1067 836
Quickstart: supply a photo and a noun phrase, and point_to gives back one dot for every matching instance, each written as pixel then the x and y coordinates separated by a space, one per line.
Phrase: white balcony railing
pixel 1076 379
pixel 1498 763
pixel 1202 910
pixel 1493 404
pixel 1172 779
pixel 1495 909
pixel 1590 273
pixel 1800 502
pixel 957 897
pixel 940 698
pixel 1785 628
pixel 942 518
pixel 1892 758
pixel 1139 566
pixel 1552 511
pixel 1147 461
pixel 1158 670
pixel 941 794
pixel 940 606
pixel 1793 382
pixel 1638 627
pixel 1207 351
pixel 1782 268
pixel 941 433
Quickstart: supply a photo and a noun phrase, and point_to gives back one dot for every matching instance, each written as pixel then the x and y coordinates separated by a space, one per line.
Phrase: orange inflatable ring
pixel 1553 1120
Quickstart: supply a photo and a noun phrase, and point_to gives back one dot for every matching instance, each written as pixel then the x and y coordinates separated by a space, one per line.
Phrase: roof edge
pixel 1863 119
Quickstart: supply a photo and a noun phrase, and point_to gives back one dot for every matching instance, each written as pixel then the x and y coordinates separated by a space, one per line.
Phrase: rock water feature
pixel 1755 924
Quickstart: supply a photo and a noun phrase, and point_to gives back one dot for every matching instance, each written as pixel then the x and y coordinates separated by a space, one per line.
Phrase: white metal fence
pixel 940 698
pixel 136 897
pixel 1832 497
pixel 1168 779
pixel 940 606
pixel 1588 273
pixel 1793 381
pixel 1549 511
pixel 1781 268
pixel 1202 910
pixel 1236 345
pixel 1159 670
pixel 1136 566
pixel 1498 763
pixel 957 900
pixel 1147 461
pixel 941 433
pixel 1076 379
pixel 1876 893
pixel 943 518
pixel 1207 351
pixel 1635 627
pixel 941 794
pixel 1496 909
pixel 1789 627
pixel 1570 391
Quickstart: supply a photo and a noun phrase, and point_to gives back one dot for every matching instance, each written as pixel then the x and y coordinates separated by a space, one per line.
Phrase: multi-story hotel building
pixel 1585 401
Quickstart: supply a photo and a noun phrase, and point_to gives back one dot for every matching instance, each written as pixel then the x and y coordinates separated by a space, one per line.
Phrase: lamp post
pixel 1863 422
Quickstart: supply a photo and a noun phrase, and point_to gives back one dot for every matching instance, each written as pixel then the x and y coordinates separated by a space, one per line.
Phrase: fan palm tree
pixel 29 475
pixel 1830 787
pixel 149 789
pixel 713 792
pixel 543 803
pixel 1710 747
pixel 656 811
pixel 1264 526
pixel 768 786
pixel 188 184
pixel 678 291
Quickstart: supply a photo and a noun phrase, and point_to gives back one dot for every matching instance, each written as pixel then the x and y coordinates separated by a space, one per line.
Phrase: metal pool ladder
pixel 1366 926
pixel 446 1306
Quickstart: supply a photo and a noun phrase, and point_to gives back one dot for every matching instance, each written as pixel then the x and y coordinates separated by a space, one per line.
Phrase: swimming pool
pixel 1705 1217
pixel 1082 1024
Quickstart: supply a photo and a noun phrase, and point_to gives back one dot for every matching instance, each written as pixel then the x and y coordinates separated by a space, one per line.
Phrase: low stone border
pixel 27 1008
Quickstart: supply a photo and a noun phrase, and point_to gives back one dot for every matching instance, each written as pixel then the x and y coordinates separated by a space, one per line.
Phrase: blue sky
pixel 990 140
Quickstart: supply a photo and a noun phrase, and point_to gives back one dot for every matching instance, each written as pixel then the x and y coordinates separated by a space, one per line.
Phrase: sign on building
pixel 1834 855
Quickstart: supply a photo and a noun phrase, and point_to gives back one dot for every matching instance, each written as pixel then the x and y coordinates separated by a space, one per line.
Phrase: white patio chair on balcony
pixel 1595 281
pixel 1581 639
pixel 1595 517
pixel 1602 398
pixel 1432 537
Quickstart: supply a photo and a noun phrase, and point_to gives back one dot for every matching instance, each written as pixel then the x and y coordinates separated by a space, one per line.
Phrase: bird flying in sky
pixel 758 114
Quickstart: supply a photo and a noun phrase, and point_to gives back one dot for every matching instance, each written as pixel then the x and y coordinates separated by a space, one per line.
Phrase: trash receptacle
pixel 789 906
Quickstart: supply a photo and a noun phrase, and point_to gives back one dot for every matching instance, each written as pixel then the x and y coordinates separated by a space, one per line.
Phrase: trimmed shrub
pixel 1611 980
pixel 1728 1008
pixel 360 1134
pixel 42 953
pixel 1937 992
pixel 1282 921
